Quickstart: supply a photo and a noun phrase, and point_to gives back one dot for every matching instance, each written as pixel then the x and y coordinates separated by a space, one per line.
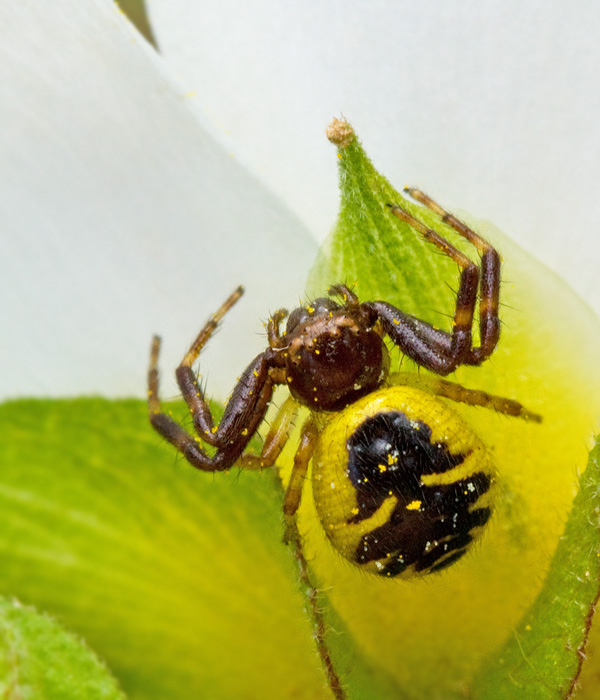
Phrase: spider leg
pixel 166 426
pixel 306 446
pixel 243 414
pixel 345 294
pixel 489 293
pixel 419 340
pixel 273 334
pixel 466 298
pixel 437 350
pixel 459 393
pixel 276 438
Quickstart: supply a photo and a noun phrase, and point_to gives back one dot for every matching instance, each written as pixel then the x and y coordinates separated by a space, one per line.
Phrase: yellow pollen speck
pixel 414 505
pixel 382 468
pixel 528 627
pixel 289 379
pixel 354 511
pixel 392 460
pixel 316 399
pixel 245 431
pixel 314 388
pixel 317 352
pixel 310 309
pixel 214 430
pixel 339 155
pixel 396 322
pixel 255 373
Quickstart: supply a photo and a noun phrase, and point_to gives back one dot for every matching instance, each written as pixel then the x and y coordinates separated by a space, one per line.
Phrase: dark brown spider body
pixel 334 354
pixel 435 476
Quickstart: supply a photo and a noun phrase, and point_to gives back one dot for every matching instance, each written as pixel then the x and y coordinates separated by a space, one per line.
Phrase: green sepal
pixel 544 655
pixel 39 660
pixel 429 637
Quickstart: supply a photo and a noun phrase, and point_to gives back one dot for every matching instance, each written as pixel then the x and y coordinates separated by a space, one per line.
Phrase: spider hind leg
pixel 460 394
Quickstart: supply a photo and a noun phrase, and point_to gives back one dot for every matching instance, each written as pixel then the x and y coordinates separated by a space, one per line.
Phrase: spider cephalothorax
pixel 401 483
pixel 333 353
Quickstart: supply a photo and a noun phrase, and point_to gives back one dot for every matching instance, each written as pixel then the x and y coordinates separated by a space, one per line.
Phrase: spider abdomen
pixel 402 485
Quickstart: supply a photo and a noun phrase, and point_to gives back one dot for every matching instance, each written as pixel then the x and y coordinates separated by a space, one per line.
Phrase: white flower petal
pixel 120 214
pixel 491 107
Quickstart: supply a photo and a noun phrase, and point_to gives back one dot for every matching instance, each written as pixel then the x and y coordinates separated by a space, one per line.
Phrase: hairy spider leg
pixel 434 349
pixel 346 294
pixel 276 438
pixel 243 414
pixel 273 335
pixel 308 441
pixel 489 292
pixel 460 394
pixel 274 443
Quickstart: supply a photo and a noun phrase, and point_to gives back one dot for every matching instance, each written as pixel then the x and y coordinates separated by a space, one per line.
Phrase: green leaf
pixel 429 636
pixel 178 579
pixel 544 654
pixel 39 660
pixel 377 252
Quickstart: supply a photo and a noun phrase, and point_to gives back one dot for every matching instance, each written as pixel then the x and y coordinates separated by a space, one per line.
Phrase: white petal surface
pixel 490 106
pixel 120 213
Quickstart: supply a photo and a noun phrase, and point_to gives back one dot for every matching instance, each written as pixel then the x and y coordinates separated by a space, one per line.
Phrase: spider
pixel 401 483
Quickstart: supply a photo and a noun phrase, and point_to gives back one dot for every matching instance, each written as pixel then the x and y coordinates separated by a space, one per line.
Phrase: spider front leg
pixel 244 412
pixel 489 292
pixel 437 350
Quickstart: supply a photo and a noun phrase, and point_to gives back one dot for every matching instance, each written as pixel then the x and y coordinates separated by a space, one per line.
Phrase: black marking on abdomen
pixel 388 455
pixel 442 523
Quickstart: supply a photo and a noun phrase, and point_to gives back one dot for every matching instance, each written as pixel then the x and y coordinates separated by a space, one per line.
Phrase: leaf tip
pixel 340 133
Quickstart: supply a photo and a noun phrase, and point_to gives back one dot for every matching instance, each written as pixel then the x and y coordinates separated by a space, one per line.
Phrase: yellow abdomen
pixel 401 483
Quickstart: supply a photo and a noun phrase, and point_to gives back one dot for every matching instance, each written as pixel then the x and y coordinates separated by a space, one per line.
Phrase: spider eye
pixel 297 317
pixel 311 309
